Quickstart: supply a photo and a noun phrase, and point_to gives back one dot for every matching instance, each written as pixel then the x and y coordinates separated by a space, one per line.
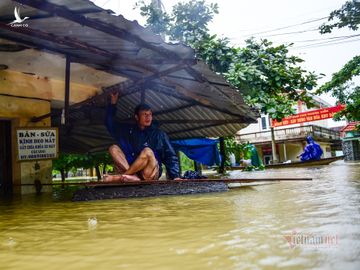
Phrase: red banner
pixel 308 116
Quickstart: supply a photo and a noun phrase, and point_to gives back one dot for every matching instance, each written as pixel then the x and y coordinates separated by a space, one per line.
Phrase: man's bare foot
pixel 130 178
pixel 110 178
pixel 121 177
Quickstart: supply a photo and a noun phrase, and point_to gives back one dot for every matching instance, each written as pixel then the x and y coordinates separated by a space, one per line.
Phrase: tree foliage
pixel 269 78
pixel 347 16
pixel 215 52
pixel 156 19
pixel 66 162
pixel 190 21
pixel 343 76
pixel 240 150
pixel 187 23
pixel 340 85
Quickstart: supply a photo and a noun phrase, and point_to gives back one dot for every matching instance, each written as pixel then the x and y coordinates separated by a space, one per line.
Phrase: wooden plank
pixel 164 182
pixel 112 190
pixel 154 190
pixel 170 182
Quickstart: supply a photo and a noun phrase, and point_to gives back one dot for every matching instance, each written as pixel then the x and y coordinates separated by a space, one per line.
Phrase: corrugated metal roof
pixel 189 100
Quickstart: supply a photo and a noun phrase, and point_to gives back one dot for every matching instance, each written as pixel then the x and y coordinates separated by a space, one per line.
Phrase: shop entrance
pixel 5 158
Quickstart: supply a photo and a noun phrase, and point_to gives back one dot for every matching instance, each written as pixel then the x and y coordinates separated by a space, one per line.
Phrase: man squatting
pixel 142 147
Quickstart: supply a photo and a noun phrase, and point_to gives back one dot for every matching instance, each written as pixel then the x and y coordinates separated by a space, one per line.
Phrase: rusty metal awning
pixel 188 99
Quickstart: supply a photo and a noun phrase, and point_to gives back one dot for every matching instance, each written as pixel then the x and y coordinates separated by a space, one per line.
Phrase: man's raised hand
pixel 114 97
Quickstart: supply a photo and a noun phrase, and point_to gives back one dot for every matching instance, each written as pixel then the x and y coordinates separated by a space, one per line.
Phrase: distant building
pixel 291 139
pixel 351 141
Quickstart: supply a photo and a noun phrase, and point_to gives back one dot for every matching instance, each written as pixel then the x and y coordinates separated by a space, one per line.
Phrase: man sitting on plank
pixel 142 147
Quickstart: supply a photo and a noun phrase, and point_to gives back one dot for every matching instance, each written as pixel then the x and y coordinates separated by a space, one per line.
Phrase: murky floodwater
pixel 246 228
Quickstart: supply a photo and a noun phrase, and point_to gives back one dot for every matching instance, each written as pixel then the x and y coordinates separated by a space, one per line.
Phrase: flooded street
pixel 273 226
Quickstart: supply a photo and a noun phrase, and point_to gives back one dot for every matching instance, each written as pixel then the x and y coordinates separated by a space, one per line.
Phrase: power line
pixel 105 3
pixel 289 26
pixel 325 41
pixel 294 32
pixel 287 33
pixel 337 38
pixel 322 44
pixel 330 38
pixel 322 10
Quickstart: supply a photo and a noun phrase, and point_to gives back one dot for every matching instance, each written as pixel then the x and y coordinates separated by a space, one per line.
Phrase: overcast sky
pixel 280 21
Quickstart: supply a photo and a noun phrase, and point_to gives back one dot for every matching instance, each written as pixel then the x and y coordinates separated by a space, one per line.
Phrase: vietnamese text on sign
pixel 37 144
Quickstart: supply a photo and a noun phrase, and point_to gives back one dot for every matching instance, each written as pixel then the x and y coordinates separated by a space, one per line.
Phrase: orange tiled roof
pixel 350 126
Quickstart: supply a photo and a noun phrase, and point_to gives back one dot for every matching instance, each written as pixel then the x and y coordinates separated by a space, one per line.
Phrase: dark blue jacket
pixel 132 140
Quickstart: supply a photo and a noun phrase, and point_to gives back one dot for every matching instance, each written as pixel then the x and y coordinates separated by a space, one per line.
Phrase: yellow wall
pixel 19 84
pixel 325 147
pixel 295 149
pixel 20 111
pixel 20 96
pixel 292 151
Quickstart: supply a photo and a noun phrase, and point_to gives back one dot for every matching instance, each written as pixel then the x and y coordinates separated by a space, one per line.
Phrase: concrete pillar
pixel 273 146
pixel 285 155
pixel 351 149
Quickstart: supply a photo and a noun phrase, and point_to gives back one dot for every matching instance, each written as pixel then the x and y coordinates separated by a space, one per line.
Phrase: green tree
pixel 67 162
pixel 156 18
pixel 269 77
pixel 188 22
pixel 347 16
pixel 340 85
pixel 100 161
pixel 240 150
pixel 63 164
pixel 216 52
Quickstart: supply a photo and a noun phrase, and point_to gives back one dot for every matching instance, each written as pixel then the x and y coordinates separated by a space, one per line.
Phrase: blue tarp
pixel 204 150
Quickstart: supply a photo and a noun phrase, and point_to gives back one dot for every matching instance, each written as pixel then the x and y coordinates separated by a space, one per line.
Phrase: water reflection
pixel 241 229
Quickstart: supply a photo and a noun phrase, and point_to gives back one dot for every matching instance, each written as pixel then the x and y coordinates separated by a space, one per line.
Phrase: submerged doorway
pixel 5 158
